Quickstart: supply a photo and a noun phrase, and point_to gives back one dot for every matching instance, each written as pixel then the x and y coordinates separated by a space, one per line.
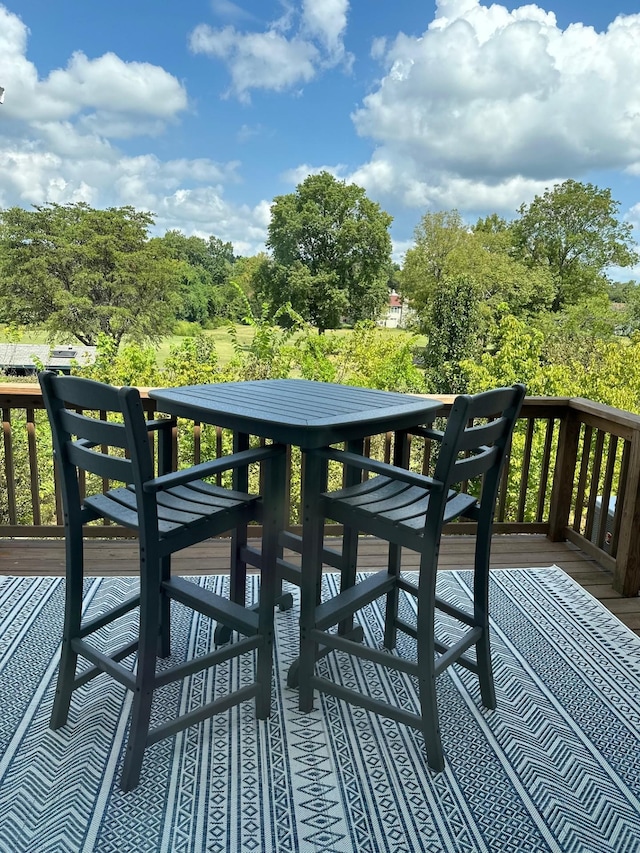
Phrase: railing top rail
pixel 32 389
pixel 606 413
pixel 21 394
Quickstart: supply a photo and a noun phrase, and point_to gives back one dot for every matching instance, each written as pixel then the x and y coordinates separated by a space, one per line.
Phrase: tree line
pixel 528 298
pixel 80 272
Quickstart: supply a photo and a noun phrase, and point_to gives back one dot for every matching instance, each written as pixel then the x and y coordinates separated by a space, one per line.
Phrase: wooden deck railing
pixel 571 460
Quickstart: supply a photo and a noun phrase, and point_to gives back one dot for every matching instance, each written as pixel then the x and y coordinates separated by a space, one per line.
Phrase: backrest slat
pixel 93 429
pixel 474 466
pixel 492 402
pixel 86 394
pixel 483 434
pixel 102 464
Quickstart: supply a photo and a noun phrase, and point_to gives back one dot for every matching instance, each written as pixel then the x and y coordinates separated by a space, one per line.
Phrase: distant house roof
pixel 23 357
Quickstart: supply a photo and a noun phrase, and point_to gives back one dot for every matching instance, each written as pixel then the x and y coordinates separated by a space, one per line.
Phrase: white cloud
pixel 109 91
pixel 257 60
pixel 56 143
pixel 227 9
pixel 108 83
pixel 488 106
pixel 208 213
pixel 326 20
pixel 273 59
pixel 387 177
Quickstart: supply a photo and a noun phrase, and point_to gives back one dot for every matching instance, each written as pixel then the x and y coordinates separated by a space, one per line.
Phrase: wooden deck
pixel 119 557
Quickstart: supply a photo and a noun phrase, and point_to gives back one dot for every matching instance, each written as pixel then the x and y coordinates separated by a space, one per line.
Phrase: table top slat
pixel 296 411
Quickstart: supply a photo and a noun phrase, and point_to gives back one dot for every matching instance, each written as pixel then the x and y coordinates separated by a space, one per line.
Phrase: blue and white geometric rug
pixel 556 767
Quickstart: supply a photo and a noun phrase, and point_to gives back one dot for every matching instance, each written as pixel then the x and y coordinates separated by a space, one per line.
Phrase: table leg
pixel 350 537
pixel 315 482
pixel 238 567
pixel 239 541
pixel 239 537
pixel 400 460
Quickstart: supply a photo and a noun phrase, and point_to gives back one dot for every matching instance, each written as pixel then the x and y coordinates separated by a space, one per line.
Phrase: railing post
pixel 626 578
pixel 564 476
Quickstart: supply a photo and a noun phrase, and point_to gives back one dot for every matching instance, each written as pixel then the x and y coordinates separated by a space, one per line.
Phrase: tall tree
pixel 342 239
pixel 447 250
pixel 80 272
pixel 574 230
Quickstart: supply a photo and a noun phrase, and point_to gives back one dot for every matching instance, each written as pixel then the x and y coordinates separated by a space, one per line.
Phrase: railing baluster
pixel 627 566
pixel 563 480
pixel 9 470
pixel 544 469
pixel 622 489
pixel 34 478
pixel 582 479
pixel 594 484
pixel 387 447
pixel 524 474
pixel 197 443
pixel 606 490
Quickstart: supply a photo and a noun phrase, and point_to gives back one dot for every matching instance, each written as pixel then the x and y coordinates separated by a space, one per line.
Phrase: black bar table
pixel 297 412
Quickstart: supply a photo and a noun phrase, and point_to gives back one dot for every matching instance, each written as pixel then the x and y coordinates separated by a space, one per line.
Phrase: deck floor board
pixel 34 557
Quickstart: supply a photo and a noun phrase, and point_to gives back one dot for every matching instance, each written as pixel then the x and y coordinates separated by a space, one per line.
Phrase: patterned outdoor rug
pixel 556 767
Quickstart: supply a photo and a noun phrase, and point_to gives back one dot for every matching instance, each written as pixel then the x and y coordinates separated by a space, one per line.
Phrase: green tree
pixel 573 229
pixel 442 244
pixel 446 249
pixel 452 332
pixel 80 272
pixel 460 282
pixel 247 271
pixel 342 240
pixel 206 270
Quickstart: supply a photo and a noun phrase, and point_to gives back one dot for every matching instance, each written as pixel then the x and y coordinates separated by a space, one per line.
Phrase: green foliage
pixel 605 371
pixel 621 291
pixel 334 245
pixel 272 351
pixel 542 274
pixel 573 229
pixel 129 364
pixel 193 362
pixel 82 273
pixel 519 355
pixel 205 270
pixel 441 244
pixel 368 358
pixel 633 308
pixel 186 329
pixel 452 330
pixel 446 251
pixel 591 318
pixel 316 297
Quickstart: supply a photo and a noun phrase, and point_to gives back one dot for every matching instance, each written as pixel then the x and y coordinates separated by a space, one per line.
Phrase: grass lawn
pixel 221 337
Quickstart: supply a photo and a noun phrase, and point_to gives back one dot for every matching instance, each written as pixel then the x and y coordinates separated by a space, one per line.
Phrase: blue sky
pixel 203 111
